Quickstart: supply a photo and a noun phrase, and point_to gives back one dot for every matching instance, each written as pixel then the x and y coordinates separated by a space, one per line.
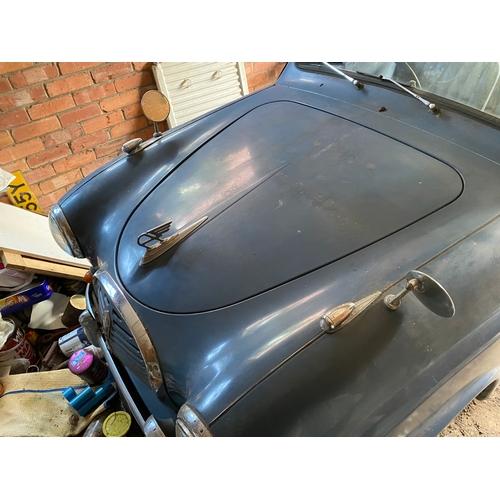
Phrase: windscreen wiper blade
pixel 429 104
pixel 356 83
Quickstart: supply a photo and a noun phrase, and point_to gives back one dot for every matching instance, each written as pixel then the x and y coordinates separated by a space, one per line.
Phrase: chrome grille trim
pixel 88 301
pixel 118 336
pixel 136 328
pixel 148 426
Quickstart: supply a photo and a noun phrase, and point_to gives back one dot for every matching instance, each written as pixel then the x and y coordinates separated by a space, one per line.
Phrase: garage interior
pixel 59 123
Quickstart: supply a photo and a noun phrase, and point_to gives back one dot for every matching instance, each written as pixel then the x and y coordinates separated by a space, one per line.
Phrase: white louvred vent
pixel 196 88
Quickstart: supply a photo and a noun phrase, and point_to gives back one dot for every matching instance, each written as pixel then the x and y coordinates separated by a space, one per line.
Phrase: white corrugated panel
pixel 196 88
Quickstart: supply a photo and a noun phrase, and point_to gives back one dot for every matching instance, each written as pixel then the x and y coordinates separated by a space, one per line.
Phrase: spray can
pixel 73 341
pixel 86 364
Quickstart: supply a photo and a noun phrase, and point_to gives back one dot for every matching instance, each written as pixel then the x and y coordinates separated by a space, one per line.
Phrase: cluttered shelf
pixel 53 380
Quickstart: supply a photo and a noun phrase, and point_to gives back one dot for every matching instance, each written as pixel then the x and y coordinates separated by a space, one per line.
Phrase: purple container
pixel 88 366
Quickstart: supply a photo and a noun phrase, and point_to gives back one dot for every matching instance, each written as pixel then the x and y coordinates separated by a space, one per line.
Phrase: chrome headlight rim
pixel 190 424
pixel 62 232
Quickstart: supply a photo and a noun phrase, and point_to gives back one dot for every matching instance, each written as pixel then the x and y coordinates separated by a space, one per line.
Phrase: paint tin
pixel 86 364
pixel 73 341
pixel 75 307
pixel 16 345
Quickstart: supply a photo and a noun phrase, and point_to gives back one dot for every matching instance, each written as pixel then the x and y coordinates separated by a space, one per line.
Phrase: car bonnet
pixel 285 190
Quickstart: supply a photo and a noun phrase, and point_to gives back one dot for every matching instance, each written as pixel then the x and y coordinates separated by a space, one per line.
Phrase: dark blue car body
pixel 317 194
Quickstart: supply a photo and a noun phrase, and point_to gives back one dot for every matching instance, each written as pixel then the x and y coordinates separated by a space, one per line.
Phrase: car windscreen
pixel 474 84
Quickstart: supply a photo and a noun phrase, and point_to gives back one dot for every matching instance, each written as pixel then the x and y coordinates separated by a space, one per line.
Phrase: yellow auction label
pixel 21 195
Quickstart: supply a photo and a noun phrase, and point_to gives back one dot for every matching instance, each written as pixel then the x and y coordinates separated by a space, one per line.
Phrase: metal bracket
pixel 428 291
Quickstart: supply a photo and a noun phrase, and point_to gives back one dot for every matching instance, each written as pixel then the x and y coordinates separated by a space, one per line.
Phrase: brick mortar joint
pixel 43 84
pixel 93 79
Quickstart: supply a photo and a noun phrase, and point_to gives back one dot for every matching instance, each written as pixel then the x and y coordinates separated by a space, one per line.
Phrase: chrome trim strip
pixel 120 384
pixel 149 426
pixel 145 144
pixel 88 302
pixel 137 329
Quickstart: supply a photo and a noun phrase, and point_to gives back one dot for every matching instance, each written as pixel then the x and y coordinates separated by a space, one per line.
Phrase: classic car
pixel 318 258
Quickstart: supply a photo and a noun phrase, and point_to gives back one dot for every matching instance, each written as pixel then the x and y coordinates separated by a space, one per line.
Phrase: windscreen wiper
pixel 429 104
pixel 356 83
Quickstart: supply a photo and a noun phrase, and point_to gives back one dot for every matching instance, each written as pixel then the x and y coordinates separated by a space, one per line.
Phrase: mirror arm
pixel 394 301
pixel 157 133
pixel 427 291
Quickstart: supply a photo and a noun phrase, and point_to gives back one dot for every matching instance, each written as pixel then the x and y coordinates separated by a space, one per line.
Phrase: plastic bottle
pixel 95 427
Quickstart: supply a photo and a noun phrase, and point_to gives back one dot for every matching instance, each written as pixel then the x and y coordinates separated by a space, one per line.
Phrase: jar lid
pixel 117 424
pixel 80 361
pixel 78 302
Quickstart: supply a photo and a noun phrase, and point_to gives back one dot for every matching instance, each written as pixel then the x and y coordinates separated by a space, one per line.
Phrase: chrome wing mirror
pixel 428 291
pixel 156 108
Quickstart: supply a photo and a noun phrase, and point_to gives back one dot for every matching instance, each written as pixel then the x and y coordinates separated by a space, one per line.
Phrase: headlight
pixel 190 424
pixel 62 233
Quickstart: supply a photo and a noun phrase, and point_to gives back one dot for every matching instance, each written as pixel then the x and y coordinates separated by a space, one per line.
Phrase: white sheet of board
pixel 28 233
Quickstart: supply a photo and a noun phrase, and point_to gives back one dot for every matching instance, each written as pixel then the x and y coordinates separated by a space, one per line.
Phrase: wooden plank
pixel 28 234
pixel 13 261
pixel 29 264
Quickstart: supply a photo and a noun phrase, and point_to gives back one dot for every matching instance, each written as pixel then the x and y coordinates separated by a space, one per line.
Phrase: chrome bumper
pixel 148 426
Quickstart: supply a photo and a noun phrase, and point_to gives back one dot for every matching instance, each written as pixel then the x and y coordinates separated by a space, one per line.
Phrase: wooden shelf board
pixel 13 260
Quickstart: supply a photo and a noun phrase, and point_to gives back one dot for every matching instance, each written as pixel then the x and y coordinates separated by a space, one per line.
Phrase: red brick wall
pixel 262 74
pixel 61 121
